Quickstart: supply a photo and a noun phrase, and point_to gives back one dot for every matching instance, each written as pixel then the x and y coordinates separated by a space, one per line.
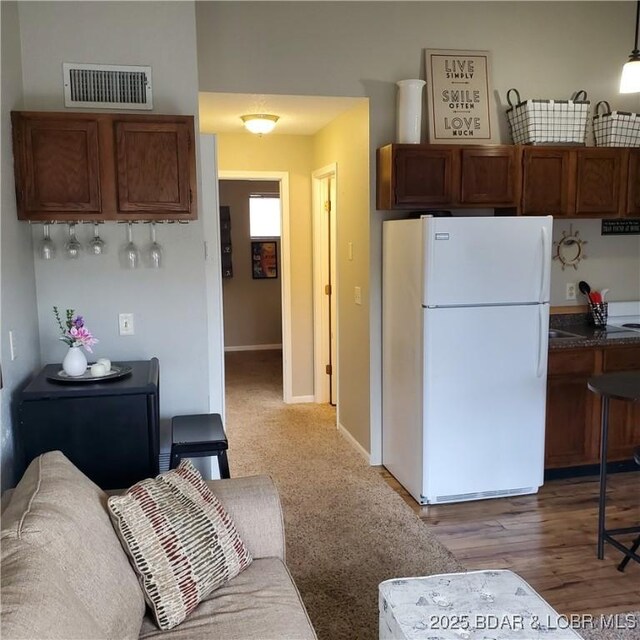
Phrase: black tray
pixel 117 372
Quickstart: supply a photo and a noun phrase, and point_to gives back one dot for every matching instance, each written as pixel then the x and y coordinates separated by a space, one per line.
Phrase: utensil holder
pixel 599 312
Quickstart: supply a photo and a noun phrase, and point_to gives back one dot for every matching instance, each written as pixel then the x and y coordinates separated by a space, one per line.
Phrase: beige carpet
pixel 347 530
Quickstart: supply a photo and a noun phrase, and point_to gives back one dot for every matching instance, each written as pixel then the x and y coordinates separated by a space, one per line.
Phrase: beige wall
pixel 345 141
pixel 612 261
pixel 252 308
pixel 545 49
pixel 168 303
pixel 294 155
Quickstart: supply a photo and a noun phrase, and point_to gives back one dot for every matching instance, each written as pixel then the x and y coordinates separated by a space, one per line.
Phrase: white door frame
pixel 320 326
pixel 285 263
pixel 212 271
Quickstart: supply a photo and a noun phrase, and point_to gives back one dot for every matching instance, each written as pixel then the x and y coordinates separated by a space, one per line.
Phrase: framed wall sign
pixel 264 260
pixel 458 94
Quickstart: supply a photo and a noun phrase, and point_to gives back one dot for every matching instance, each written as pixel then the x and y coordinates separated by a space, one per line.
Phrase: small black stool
pixel 199 436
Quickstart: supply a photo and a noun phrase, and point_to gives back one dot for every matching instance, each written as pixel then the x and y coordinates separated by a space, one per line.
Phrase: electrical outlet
pixel 125 324
pixel 357 295
pixel 571 291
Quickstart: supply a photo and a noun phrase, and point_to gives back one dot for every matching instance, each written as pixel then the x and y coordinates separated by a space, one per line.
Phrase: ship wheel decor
pixel 570 248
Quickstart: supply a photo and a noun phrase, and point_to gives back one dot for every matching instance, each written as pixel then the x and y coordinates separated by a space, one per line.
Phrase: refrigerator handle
pixel 542 343
pixel 546 264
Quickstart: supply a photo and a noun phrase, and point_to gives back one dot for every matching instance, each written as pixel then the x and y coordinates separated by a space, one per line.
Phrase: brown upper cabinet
pixel 103 166
pixel 633 184
pixel 414 176
pixel 575 181
pixel 563 181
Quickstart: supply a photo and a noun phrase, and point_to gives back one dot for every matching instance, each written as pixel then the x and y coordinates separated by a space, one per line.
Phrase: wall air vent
pixel 107 86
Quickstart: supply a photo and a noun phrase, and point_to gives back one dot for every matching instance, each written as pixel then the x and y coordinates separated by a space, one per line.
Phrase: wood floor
pixel 549 539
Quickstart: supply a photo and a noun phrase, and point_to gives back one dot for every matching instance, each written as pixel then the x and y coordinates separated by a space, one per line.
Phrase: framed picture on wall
pixel 459 96
pixel 264 259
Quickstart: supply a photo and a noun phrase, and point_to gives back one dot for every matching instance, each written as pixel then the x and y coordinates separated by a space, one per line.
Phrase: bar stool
pixel 199 436
pixel 636 544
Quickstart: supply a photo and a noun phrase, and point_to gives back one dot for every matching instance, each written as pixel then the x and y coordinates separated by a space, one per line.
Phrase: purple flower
pixel 78 322
pixel 82 337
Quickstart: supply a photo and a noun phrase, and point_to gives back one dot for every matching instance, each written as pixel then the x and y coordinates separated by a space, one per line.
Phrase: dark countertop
pixel 587 334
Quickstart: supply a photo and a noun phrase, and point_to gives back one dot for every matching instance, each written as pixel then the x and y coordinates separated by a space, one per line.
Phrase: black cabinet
pixel 109 430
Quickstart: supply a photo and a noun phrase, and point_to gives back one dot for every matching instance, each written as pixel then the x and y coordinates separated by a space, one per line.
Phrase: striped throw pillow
pixel 181 541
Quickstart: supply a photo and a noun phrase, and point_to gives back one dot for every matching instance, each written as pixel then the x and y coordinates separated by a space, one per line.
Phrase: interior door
pixel 333 298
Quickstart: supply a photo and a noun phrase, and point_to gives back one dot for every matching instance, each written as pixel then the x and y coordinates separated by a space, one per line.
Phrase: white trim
pixel 320 331
pixel 285 280
pixel 254 347
pixel 301 399
pixel 354 443
pixel 212 272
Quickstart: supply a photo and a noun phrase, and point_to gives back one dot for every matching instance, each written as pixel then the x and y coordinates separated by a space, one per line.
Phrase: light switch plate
pixel 357 295
pixel 125 324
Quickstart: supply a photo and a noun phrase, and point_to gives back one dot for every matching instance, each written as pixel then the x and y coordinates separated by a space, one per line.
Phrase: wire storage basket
pixel 615 128
pixel 548 121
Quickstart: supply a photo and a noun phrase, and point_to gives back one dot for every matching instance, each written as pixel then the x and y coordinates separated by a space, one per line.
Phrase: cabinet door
pixel 572 410
pixel 624 417
pixel 425 176
pixel 599 179
pixel 548 182
pixel 490 177
pixel 155 171
pixel 107 437
pixel 57 166
pixel 633 184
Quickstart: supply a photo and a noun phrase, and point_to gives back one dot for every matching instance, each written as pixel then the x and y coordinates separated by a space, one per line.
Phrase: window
pixel 264 216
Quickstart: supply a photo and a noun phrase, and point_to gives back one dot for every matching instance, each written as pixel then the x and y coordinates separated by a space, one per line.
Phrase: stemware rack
pixel 154 249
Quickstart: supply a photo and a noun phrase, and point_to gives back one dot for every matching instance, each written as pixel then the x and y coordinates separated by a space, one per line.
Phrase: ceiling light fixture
pixel 630 80
pixel 261 122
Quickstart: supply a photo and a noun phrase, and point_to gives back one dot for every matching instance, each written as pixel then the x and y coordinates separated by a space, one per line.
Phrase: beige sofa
pixel 65 575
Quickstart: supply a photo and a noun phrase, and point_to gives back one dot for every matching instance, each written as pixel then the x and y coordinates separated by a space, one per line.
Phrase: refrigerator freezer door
pixel 486 260
pixel 484 401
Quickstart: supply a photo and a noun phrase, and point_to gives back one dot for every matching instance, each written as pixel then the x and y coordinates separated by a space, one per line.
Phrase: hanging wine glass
pixel 155 249
pixel 131 253
pixel 47 249
pixel 96 244
pixel 73 247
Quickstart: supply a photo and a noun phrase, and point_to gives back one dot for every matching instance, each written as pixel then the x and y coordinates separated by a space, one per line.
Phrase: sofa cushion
pixel 37 599
pixel 182 542
pixel 57 529
pixel 260 603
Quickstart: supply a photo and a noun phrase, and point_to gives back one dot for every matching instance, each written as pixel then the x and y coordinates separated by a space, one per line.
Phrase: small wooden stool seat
pixel 198 436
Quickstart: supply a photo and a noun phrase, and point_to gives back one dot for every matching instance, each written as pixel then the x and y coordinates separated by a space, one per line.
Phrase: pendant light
pixel 630 80
pixel 260 122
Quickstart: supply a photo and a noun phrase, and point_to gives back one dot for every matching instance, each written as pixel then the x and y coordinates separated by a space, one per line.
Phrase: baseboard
pixel 254 347
pixel 354 443
pixel 301 399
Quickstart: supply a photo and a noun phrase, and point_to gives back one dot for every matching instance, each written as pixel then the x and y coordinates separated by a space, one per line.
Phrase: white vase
pixel 75 362
pixel 409 115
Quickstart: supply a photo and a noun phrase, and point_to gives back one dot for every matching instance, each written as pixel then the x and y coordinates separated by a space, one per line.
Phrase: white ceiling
pixel 299 115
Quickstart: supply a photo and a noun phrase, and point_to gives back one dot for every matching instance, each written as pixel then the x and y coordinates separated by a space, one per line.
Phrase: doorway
pixel 325 288
pixel 281 179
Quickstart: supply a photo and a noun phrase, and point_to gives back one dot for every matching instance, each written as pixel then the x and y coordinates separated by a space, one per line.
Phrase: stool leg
pixel 625 560
pixel 223 465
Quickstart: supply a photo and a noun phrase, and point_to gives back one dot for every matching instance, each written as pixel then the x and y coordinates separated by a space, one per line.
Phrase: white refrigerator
pixel 465 333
